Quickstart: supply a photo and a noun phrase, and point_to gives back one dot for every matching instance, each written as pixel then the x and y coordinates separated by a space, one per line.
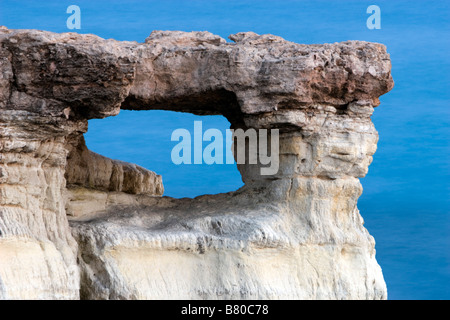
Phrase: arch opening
pixel 144 138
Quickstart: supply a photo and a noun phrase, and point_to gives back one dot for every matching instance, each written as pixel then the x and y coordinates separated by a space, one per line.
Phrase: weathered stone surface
pixel 37 250
pixel 89 169
pixel 296 234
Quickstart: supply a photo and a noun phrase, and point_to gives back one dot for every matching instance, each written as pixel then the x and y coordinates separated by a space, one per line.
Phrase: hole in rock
pixel 144 138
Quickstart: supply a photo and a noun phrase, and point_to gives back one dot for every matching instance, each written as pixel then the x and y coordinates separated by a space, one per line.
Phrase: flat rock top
pixel 185 71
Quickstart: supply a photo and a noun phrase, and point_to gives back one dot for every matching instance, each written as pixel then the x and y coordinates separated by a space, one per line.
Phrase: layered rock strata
pixel 75 224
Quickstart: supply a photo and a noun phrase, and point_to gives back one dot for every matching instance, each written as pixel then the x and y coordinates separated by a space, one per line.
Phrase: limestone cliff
pixel 74 224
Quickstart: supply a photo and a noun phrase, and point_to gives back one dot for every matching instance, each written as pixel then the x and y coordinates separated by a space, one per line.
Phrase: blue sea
pixel 405 203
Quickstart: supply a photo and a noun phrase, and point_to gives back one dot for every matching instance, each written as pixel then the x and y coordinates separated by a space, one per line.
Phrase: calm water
pixel 406 194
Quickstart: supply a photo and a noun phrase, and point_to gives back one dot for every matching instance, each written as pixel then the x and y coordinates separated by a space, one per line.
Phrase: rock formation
pixel 74 224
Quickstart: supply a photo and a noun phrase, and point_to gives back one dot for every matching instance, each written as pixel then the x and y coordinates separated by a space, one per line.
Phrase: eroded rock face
pixel 297 234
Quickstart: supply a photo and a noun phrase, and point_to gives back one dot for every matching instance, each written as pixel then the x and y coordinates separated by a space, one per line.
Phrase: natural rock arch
pixel 297 234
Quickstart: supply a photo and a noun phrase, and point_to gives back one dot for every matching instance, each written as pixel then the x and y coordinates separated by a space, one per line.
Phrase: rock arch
pixel 297 234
